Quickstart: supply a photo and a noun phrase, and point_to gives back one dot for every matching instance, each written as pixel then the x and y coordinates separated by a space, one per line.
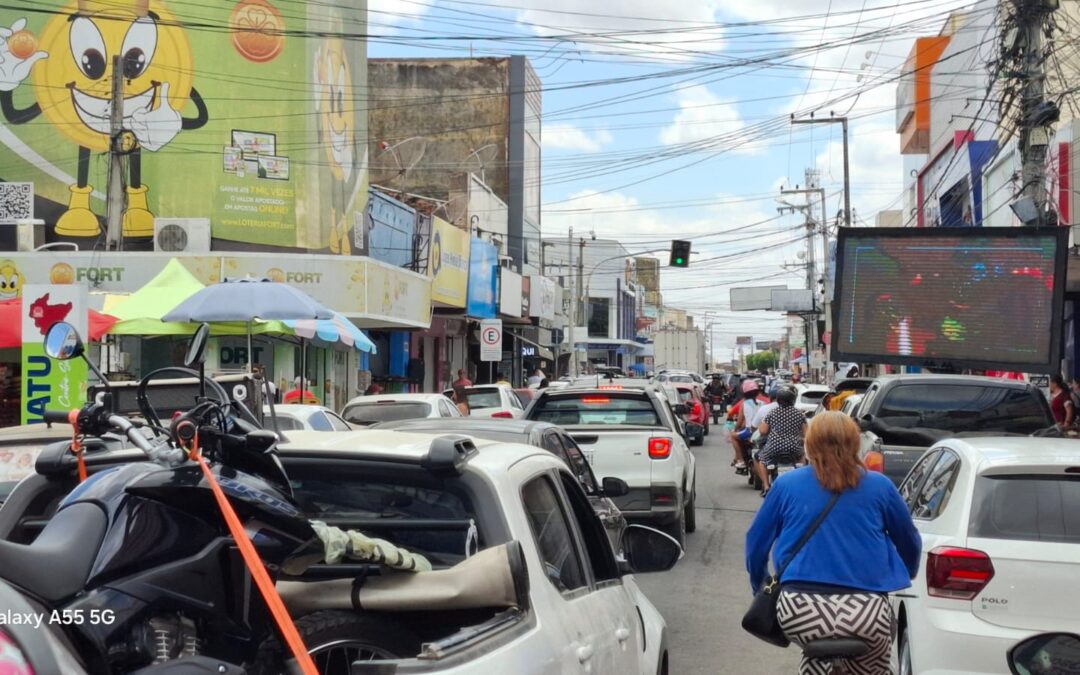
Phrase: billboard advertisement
pixel 744 341
pixel 948 298
pixel 245 112
pixel 48 384
pixel 483 262
pixel 752 297
pixel 793 300
pixel 448 264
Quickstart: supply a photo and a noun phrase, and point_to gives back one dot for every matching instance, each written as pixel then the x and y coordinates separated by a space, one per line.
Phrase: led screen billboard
pixel 950 298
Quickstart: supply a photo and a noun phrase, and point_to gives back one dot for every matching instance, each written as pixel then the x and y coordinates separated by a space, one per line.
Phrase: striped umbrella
pixel 333 331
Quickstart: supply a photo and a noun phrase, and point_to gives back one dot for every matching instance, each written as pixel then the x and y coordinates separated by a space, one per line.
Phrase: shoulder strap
pixel 809 533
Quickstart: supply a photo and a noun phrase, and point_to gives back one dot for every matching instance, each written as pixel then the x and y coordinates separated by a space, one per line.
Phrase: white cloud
pixel 703 117
pixel 564 136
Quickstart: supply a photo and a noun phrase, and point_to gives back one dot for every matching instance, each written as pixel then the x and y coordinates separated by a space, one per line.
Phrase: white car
pixel 1000 525
pixel 810 397
pixel 367 410
pixel 294 416
pixel 492 400
pixel 574 609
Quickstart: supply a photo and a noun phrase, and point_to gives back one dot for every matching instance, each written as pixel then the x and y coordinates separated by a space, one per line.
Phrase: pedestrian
pixel 296 395
pixel 1060 401
pixel 461 399
pixel 783 428
pixel 270 390
pixel 866 546
pixel 535 378
pixel 461 379
pixel 1074 396
pixel 374 390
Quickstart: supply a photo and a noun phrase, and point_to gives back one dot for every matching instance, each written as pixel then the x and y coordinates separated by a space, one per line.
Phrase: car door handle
pixel 622 634
pixel 584 653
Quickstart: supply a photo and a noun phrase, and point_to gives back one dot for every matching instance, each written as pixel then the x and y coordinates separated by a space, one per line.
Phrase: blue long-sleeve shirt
pixel 868 541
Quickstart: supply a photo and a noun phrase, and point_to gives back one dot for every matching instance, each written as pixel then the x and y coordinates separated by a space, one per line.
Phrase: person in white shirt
pixel 536 378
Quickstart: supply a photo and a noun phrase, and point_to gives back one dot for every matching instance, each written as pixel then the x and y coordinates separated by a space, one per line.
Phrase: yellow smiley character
pixel 11 281
pixel 335 106
pixel 73 85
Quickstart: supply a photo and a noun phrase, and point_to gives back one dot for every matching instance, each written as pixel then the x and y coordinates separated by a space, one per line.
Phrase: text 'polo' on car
pixel 364 411
pixel 1000 525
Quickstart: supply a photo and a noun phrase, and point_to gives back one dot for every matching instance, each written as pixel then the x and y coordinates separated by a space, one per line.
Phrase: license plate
pixel 717 406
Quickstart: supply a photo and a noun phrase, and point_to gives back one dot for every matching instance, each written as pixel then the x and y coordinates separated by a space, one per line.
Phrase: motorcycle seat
pixel 57 564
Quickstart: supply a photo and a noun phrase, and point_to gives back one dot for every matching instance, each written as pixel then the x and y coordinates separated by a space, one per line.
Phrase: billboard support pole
pixel 114 214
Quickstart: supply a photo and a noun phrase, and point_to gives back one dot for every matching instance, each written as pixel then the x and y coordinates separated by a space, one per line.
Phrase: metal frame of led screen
pixel 951 298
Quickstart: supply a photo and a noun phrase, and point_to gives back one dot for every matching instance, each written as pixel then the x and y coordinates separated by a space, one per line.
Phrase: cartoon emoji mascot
pixel 11 281
pixel 73 86
pixel 335 106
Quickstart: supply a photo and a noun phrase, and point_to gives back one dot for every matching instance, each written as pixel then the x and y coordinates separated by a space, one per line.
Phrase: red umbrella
pixel 11 323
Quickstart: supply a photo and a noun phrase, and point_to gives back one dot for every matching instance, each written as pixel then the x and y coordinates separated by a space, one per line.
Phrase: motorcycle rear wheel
pixel 337 638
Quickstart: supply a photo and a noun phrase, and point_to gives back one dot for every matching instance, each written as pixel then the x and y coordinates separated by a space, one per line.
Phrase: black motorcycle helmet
pixel 786 396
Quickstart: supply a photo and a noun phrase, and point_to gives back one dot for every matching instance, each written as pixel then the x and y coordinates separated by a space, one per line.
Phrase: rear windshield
pixel 952 407
pixel 390 411
pixel 1028 508
pixel 685 395
pixel 483 398
pixel 589 408
pixel 813 395
pixel 285 422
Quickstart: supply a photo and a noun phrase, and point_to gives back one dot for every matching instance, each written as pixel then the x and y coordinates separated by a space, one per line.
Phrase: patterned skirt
pixel 811 616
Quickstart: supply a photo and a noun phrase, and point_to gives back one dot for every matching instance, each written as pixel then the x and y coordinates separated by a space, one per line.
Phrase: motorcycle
pixel 717 407
pixel 137 570
pixel 1046 654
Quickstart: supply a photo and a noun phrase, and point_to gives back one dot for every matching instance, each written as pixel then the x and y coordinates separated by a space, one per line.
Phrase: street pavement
pixel 704 597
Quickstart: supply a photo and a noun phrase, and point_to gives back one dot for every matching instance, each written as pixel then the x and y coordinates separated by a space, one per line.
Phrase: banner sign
pixel 49 384
pixel 448 264
pixel 491 339
pixel 483 261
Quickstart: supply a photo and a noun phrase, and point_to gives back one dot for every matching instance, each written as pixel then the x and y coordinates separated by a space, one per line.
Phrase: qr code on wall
pixel 16 202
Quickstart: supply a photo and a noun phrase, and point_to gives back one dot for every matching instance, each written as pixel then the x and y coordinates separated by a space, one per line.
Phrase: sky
pixel 671 119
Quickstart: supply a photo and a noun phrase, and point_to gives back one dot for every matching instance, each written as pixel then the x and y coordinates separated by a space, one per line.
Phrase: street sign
pixel 491 337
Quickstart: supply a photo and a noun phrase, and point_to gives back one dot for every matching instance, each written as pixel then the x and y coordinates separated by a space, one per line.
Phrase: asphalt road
pixel 703 598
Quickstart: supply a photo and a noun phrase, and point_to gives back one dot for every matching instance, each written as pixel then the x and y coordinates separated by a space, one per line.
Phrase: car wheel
pixel 690 512
pixel 677 529
pixel 905 653
pixel 706 429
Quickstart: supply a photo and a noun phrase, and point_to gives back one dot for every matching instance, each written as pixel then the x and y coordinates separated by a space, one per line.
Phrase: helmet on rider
pixel 750 388
pixel 786 396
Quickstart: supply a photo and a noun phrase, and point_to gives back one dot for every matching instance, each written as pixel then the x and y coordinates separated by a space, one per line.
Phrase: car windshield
pixel 385 411
pixel 680 378
pixel 685 395
pixel 605 408
pixel 961 407
pixel 811 396
pixel 483 398
pixel 1027 508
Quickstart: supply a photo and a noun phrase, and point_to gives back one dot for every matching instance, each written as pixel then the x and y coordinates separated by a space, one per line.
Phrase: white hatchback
pixel 1000 525
pixel 364 411
pixel 492 400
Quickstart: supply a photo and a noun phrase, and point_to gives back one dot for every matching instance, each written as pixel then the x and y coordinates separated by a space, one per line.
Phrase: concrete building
pixel 466 132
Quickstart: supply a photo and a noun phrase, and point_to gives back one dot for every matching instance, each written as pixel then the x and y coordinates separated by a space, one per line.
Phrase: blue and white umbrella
pixel 333 331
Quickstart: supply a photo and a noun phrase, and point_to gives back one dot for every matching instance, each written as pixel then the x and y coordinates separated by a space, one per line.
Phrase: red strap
pixel 76 445
pixel 258 570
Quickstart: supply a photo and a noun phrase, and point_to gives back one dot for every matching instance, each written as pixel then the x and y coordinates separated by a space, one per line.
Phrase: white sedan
pixel 810 397
pixel 367 410
pixel 293 416
pixel 492 400
pixel 1000 524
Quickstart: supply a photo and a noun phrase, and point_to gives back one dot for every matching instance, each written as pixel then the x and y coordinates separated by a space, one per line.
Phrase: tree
pixel 761 361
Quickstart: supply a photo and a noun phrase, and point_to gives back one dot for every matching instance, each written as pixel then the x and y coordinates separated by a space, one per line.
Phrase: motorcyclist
pixel 714 392
pixel 740 437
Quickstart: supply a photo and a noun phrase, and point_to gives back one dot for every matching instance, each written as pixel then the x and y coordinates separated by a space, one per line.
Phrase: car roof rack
pixel 448 455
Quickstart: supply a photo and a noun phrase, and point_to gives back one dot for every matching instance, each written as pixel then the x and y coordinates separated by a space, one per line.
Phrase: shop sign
pixel 390 229
pixel 483 261
pixel 543 298
pixel 509 292
pixel 336 281
pixel 396 294
pixel 49 384
pixel 109 272
pixel 528 351
pixel 448 264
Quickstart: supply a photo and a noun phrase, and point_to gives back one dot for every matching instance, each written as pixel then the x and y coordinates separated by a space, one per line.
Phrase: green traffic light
pixel 678 261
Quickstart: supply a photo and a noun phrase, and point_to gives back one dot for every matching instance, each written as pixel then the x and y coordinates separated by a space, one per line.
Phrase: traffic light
pixel 680 253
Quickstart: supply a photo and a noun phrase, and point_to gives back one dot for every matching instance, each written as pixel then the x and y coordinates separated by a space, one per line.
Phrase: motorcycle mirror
pixel 650 550
pixel 62 342
pixel 1045 654
pixel 196 353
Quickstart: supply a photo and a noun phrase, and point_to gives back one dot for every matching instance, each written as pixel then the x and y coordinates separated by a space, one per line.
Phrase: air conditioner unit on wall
pixel 182 235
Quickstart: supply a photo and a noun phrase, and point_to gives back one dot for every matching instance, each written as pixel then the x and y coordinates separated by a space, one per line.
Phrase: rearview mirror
pixel 196 353
pixel 1046 654
pixel 615 487
pixel 649 550
pixel 62 342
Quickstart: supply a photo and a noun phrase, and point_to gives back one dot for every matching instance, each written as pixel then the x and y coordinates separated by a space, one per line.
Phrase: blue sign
pixel 391 227
pixel 483 262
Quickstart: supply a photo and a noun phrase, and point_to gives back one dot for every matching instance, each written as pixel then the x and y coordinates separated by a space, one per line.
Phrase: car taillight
pixel 958 573
pixel 697 408
pixel 503 414
pixel 12 660
pixel 874 461
pixel 659 448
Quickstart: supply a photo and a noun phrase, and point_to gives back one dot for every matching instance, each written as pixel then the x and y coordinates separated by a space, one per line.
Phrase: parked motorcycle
pixel 137 570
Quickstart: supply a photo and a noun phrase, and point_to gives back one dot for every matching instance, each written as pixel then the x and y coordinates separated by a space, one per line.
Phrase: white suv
pixel 1000 524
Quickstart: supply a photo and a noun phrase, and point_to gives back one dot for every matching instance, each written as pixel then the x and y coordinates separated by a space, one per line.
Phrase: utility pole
pixel 1037 115
pixel 843 122
pixel 114 215
pixel 572 314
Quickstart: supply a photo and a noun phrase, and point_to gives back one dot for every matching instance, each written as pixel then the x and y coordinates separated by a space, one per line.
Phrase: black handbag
pixel 760 620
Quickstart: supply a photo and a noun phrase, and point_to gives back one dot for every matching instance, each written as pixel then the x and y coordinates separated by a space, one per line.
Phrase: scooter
pixel 137 570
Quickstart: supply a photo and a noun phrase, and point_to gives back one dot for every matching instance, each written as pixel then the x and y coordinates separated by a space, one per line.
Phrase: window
pixel 956 407
pixel 935 492
pixel 447 409
pixel 483 398
pixel 386 411
pixel 910 487
pixel 337 423
pixel 319 422
pixel 515 402
pixel 599 318
pixel 288 422
pixel 553 535
pixel 1027 508
pixel 606 408
pixel 598 551
pixel 579 465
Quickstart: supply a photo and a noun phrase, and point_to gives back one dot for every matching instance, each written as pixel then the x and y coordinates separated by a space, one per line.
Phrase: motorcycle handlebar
pixel 57 416
pixel 137 439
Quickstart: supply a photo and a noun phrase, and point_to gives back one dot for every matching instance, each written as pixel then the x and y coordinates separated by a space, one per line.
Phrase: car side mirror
pixel 1045 654
pixel 615 487
pixel 649 550
pixel 866 422
pixel 62 342
pixel 682 409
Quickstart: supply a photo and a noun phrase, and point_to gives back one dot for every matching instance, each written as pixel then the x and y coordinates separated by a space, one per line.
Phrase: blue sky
pixel 669 118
